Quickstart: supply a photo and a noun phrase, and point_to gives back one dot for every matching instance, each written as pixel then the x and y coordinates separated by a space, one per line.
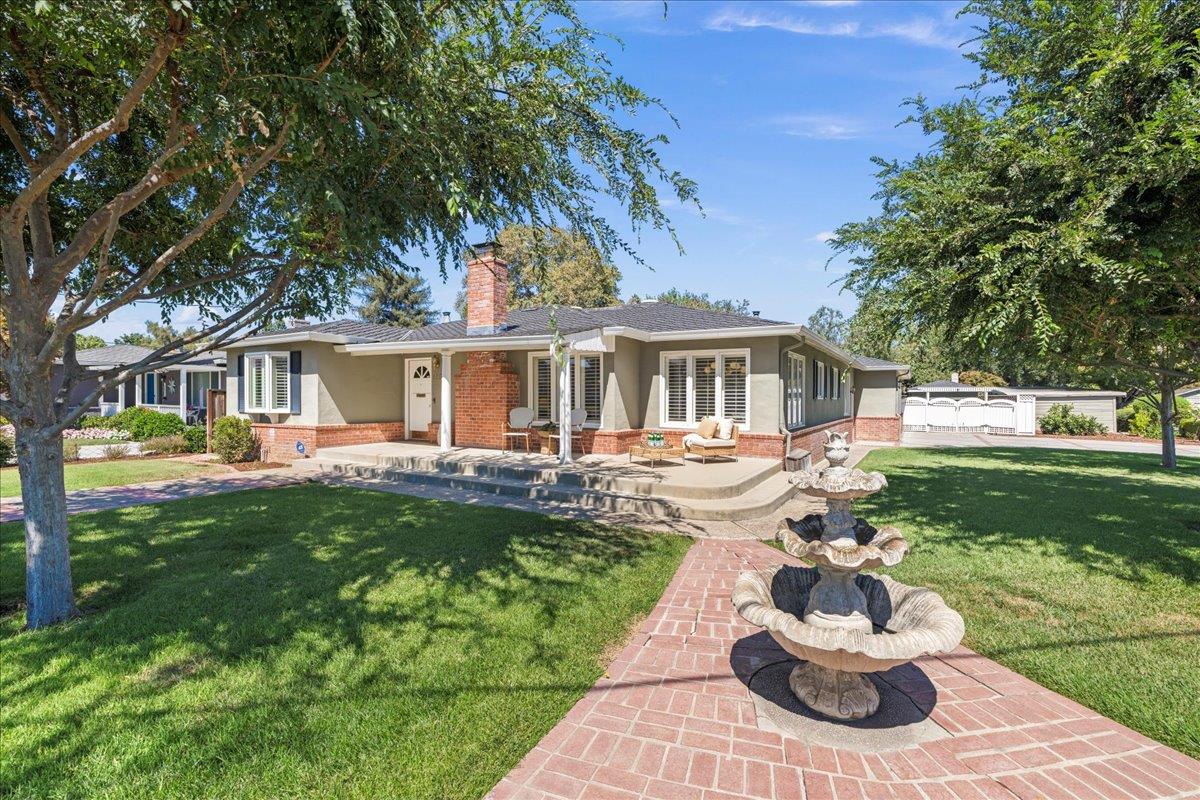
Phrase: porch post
pixel 183 379
pixel 137 389
pixel 445 434
pixel 121 396
pixel 563 359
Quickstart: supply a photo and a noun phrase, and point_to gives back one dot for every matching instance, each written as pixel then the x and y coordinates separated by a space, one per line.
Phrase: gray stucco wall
pixel 817 411
pixel 876 394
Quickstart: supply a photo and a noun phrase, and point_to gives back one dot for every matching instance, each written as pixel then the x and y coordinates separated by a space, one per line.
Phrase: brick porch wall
pixel 877 429
pixel 485 390
pixel 278 442
pixel 813 439
pixel 760 445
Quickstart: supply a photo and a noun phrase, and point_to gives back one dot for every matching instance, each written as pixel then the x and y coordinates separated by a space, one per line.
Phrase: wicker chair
pixel 712 448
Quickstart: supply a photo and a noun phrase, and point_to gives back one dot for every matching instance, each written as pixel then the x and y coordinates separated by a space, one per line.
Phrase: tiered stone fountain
pixel 841 624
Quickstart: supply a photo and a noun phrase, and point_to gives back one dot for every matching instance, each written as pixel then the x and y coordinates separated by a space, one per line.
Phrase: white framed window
pixel 268 383
pixel 819 376
pixel 586 386
pixel 794 391
pixel 704 383
pixel 836 384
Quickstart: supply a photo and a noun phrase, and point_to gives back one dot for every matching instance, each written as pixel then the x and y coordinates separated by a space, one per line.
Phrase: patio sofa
pixel 707 441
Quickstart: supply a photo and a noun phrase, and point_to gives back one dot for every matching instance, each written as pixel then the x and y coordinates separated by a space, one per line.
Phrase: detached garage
pixel 953 406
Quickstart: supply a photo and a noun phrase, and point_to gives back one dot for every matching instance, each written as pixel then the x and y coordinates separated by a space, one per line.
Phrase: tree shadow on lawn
pixel 323 594
pixel 1104 514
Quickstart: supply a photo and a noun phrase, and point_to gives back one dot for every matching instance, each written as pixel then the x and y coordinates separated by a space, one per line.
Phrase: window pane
pixel 257 367
pixel 589 376
pixel 706 386
pixel 279 382
pixel 572 404
pixel 677 390
pixel 795 389
pixel 735 388
pixel 543 405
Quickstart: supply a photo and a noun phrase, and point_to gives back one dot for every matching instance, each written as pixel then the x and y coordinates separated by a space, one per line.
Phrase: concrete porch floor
pixel 666 475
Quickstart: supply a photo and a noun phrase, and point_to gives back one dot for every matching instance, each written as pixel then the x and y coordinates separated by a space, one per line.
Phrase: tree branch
pixel 15 137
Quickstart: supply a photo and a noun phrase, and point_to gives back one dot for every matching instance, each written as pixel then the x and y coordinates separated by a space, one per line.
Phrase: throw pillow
pixel 707 428
pixel 725 430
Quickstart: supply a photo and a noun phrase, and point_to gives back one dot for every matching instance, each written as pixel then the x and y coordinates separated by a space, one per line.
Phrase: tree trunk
pixel 49 597
pixel 1166 413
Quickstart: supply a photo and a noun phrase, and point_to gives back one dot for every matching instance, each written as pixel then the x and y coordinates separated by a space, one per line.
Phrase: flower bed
pixel 76 433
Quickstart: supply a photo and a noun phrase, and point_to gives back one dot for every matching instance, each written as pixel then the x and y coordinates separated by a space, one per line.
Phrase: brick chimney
pixel 487 291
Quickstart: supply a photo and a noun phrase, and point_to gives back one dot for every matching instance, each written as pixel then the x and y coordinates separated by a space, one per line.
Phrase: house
pixel 1191 394
pixel 180 389
pixel 634 368
pixel 950 405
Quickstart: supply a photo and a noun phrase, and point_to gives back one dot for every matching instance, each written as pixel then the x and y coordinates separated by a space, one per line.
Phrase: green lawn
pixel 1079 570
pixel 85 475
pixel 312 641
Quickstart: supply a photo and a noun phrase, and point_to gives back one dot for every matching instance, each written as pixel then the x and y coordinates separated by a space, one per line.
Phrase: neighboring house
pixel 180 389
pixel 1000 409
pixel 1192 395
pixel 634 368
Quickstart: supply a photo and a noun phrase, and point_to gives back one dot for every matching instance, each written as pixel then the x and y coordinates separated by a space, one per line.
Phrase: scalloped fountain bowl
pixel 839 623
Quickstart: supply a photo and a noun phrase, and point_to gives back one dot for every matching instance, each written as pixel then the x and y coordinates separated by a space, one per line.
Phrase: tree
pixel 1058 212
pixel 682 297
pixel 88 341
pixel 978 377
pixel 249 160
pixel 164 333
pixel 134 338
pixel 395 297
pixel 829 323
pixel 552 266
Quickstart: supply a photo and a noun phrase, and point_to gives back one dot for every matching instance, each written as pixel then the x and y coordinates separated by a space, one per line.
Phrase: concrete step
pixel 763 498
pixel 611 477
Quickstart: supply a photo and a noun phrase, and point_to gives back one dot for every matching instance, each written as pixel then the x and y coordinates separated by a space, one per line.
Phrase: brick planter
pixel 278 442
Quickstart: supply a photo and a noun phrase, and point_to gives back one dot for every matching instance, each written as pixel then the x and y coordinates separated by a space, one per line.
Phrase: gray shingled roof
pixel 112 355
pixel 367 331
pixel 651 317
pixel 871 362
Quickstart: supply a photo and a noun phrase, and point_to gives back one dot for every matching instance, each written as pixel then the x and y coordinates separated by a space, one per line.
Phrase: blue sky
pixel 780 106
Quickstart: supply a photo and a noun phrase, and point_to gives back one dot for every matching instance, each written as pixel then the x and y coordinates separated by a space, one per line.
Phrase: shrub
pixel 978 377
pixel 1124 414
pixel 166 444
pixel 233 440
pixel 1190 429
pixel 1144 422
pixel 146 423
pixel 197 438
pixel 97 421
pixel 1061 419
pixel 115 450
pixel 7 448
pixel 70 450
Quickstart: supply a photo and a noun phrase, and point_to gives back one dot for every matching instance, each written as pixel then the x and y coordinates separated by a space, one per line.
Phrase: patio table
pixel 654 453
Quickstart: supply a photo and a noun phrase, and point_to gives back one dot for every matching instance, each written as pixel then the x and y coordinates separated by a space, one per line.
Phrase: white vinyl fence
pixel 970 415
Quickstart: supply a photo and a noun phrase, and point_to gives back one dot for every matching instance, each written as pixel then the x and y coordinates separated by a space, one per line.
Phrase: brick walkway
pixel 672 719
pixel 107 497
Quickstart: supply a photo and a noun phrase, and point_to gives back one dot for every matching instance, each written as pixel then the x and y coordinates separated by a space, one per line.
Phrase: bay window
pixel 704 384
pixel 586 386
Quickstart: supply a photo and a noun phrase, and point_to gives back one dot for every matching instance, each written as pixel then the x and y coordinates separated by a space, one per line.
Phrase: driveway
pixel 918 439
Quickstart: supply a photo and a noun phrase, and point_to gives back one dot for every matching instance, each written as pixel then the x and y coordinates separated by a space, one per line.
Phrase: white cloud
pixel 818 126
pixel 822 237
pixel 729 19
pixel 923 31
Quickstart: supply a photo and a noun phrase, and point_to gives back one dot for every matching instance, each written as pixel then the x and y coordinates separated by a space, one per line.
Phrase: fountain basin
pixel 868 548
pixel 908 622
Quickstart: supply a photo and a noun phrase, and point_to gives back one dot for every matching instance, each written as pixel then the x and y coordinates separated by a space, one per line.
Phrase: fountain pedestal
pixel 843 625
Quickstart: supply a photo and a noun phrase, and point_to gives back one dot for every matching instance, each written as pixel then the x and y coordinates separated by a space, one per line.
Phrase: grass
pixel 312 641
pixel 123 472
pixel 1080 570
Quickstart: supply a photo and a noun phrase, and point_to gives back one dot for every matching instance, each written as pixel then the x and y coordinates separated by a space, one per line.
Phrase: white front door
pixel 419 407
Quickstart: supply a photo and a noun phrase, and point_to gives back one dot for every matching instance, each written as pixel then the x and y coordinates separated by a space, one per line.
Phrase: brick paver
pixel 672 719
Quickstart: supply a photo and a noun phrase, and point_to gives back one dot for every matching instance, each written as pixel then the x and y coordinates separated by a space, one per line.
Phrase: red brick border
pixel 278 442
pixel 877 429
pixel 486 388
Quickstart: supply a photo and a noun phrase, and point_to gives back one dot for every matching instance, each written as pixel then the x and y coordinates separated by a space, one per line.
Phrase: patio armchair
pixel 520 421
pixel 707 441
pixel 578 418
